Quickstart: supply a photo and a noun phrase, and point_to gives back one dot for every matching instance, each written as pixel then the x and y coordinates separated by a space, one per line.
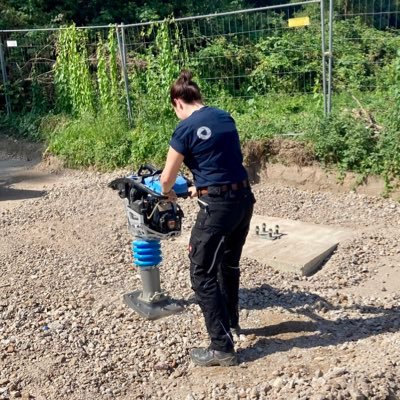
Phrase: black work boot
pixel 207 357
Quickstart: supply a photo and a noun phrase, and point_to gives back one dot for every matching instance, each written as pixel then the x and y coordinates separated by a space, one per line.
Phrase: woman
pixel 207 141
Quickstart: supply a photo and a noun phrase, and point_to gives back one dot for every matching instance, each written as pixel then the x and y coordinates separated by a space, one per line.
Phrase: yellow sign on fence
pixel 300 21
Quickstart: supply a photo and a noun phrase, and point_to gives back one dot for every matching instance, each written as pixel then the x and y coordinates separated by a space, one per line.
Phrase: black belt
pixel 223 188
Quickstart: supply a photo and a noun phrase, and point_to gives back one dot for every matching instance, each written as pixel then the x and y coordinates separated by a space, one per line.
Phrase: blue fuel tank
pixel 153 183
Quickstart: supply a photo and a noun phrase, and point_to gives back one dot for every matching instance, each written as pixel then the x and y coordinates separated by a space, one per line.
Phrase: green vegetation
pixel 102 140
pixel 83 118
pixel 72 78
pixel 40 13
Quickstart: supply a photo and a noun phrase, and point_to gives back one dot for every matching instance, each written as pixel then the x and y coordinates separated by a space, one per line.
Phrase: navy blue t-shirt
pixel 209 141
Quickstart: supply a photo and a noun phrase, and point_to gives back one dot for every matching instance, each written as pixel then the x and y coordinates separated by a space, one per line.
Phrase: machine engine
pixel 150 214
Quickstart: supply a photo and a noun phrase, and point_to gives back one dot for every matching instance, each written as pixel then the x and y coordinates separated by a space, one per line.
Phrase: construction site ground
pixel 65 263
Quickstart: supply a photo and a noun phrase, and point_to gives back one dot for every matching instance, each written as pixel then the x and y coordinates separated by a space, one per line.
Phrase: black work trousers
pixel 215 249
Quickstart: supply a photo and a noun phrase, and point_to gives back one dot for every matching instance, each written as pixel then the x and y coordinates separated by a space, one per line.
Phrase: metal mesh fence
pixel 245 53
pixel 242 54
pixel 29 58
pixel 367 38
pixel 381 14
pixel 29 61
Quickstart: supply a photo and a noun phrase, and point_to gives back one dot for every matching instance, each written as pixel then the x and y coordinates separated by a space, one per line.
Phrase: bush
pixel 22 126
pixel 103 141
pixel 344 141
pixel 150 141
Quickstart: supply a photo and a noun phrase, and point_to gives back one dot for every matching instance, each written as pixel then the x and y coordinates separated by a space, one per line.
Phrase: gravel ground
pixel 65 333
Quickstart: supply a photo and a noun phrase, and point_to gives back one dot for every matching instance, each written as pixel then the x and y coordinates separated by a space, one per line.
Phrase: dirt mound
pixel 290 152
pixel 20 149
pixel 278 150
pixel 258 154
pixel 292 163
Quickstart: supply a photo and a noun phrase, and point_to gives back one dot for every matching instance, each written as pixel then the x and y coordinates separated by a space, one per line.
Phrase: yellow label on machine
pixel 300 21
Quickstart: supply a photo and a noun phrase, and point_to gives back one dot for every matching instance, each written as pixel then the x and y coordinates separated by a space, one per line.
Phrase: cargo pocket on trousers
pixel 206 250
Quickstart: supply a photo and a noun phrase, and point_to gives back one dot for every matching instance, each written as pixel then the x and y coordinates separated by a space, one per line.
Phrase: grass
pixel 102 141
pixel 357 136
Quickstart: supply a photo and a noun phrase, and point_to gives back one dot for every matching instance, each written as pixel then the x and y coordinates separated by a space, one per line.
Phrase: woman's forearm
pixel 171 169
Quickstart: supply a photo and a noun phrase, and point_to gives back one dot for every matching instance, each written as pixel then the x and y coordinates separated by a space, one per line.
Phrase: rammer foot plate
pixel 154 310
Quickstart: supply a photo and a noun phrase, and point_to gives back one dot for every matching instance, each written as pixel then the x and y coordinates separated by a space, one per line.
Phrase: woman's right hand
pixel 170 196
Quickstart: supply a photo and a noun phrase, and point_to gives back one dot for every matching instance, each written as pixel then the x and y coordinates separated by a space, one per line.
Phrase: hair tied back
pixel 185 76
pixel 185 89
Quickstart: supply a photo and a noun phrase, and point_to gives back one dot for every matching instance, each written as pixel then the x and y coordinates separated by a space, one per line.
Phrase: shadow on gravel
pixel 325 332
pixel 283 327
pixel 11 179
pixel 7 194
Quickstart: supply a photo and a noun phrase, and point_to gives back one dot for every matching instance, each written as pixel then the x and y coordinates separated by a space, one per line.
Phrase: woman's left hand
pixel 192 191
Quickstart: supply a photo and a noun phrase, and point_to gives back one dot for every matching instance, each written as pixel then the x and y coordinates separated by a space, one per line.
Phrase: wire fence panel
pixel 242 54
pixel 245 53
pixel 29 60
pixel 366 40
pixel 30 56
pixel 381 14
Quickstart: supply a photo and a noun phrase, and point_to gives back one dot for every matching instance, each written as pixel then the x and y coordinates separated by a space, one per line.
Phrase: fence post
pixel 330 56
pixel 322 4
pixel 122 55
pixel 5 79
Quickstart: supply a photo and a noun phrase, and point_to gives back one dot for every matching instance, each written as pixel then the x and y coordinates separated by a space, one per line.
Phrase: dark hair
pixel 185 89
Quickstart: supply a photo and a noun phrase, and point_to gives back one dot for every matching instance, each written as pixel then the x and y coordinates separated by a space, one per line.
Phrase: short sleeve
pixel 180 140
